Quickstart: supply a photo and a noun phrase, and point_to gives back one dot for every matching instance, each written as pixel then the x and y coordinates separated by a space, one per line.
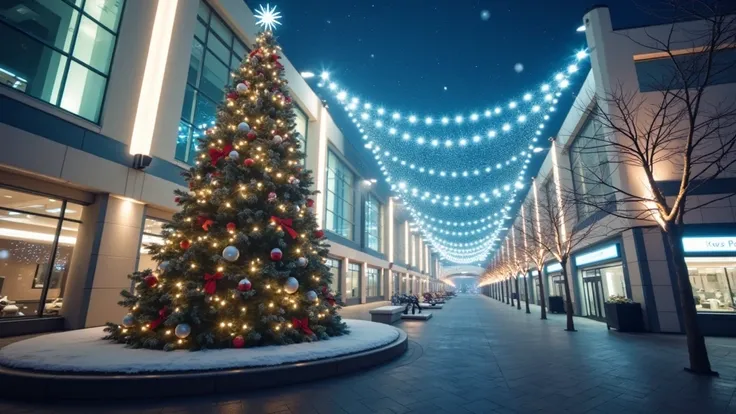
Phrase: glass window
pixel 590 169
pixel 352 281
pixel 36 246
pixel 373 282
pixel 152 234
pixel 713 281
pixel 37 56
pixel 215 52
pixel 373 224
pixel 340 214
pixel 300 130
pixel 106 12
pixel 335 266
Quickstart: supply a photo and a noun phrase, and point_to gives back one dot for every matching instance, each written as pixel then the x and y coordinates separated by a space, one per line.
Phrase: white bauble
pixel 230 253
pixel 182 330
pixel 291 285
pixel 277 139
pixel 302 261
pixel 243 127
pixel 311 296
pixel 241 87
pixel 234 155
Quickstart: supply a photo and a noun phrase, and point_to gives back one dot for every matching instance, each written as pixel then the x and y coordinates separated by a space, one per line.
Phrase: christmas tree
pixel 242 263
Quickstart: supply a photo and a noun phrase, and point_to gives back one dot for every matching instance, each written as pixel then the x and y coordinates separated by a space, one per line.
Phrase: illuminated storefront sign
pixel 609 252
pixel 709 244
pixel 554 267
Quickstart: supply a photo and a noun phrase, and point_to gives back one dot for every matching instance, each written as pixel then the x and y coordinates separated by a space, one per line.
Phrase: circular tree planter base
pixel 80 365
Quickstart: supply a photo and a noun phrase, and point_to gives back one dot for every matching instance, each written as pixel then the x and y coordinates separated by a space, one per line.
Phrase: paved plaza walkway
pixel 478 355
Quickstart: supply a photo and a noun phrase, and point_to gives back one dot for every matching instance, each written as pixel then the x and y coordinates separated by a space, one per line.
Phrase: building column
pixel 363 282
pixel 106 252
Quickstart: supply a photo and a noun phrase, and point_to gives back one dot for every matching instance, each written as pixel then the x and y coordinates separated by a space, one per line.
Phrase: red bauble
pixel 244 285
pixel 238 342
pixel 232 95
pixel 276 254
pixel 310 203
pixel 231 226
pixel 319 234
pixel 177 199
pixel 249 162
pixel 151 280
pixel 251 136
pixel 184 244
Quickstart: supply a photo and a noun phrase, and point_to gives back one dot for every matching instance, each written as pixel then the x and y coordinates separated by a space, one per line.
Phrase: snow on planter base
pixel 84 351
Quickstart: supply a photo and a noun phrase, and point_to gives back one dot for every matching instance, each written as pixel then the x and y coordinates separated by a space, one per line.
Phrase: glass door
pixel 537 295
pixel 593 294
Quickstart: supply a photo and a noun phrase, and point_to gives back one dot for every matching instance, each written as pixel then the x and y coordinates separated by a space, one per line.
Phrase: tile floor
pixel 478 355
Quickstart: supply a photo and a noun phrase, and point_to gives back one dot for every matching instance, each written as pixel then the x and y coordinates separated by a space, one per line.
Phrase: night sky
pixel 445 57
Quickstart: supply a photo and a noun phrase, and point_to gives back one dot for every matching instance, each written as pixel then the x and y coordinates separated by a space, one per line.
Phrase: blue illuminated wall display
pixel 554 267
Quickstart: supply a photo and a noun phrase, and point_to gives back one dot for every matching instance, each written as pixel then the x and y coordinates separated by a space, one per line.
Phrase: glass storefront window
pixel 335 265
pixel 556 285
pixel 152 234
pixel 339 214
pixel 598 285
pixel 216 51
pixel 713 281
pixel 36 246
pixel 60 52
pixel 373 224
pixel 373 282
pixel 352 281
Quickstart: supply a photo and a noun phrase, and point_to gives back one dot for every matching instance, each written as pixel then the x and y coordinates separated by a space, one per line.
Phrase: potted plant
pixel 623 314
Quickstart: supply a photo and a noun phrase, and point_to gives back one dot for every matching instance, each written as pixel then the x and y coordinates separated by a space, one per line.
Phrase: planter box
pixel 624 317
pixel 556 304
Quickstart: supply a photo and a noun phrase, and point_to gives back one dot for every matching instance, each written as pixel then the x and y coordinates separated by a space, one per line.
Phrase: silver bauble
pixel 182 330
pixel 291 285
pixel 243 127
pixel 128 320
pixel 311 296
pixel 234 155
pixel 230 253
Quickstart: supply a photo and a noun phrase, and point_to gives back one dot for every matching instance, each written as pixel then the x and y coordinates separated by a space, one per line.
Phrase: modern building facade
pixel 630 258
pixel 89 87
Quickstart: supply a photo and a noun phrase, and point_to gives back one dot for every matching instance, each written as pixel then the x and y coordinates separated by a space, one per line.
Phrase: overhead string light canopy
pixel 525 109
pixel 520 121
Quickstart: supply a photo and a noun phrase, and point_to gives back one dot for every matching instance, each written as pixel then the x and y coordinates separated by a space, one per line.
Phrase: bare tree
pixel 557 236
pixel 679 127
pixel 534 252
pixel 520 264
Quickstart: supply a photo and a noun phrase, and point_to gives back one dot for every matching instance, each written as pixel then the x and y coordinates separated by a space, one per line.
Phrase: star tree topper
pixel 268 18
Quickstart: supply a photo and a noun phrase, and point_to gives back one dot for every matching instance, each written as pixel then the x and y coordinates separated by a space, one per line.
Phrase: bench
pixel 386 314
pixel 430 306
pixel 418 316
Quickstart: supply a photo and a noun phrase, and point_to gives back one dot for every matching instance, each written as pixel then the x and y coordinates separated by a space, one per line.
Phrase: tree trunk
pixel 518 293
pixel 699 361
pixel 526 292
pixel 509 298
pixel 542 295
pixel 568 298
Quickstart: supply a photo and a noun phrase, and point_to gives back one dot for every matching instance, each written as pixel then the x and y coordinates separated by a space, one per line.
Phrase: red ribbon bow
pixel 254 52
pixel 328 296
pixel 210 282
pixel 205 222
pixel 302 324
pixel 161 318
pixel 286 224
pixel 216 155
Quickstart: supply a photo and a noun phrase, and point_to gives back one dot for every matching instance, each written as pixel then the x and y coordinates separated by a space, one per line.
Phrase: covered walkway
pixel 478 355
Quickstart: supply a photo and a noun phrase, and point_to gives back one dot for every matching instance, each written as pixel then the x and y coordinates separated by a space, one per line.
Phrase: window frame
pixel 190 154
pixel 69 57
pixel 340 215
pixel 378 236
pixel 60 219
